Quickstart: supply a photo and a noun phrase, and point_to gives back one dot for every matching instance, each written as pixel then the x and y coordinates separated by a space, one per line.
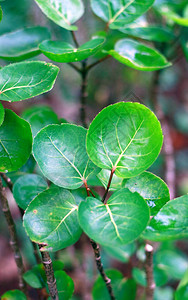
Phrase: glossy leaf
pixel 25 80
pixel 63 13
pixel 124 136
pixel 121 253
pixel 119 13
pixel 65 285
pixel 63 52
pixel 14 295
pixel 2 113
pixel 61 155
pixel 27 187
pixel 22 44
pixel 171 222
pixel 39 117
pixel 51 219
pixel 81 195
pixel 138 56
pixel 116 223
pixel 152 188
pixel 15 142
pixel 104 176
pixel 182 289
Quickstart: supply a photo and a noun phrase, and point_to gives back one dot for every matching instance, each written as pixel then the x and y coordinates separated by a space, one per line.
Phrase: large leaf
pixel 116 223
pixel 14 295
pixel 22 44
pixel 152 188
pixel 171 222
pixel 63 13
pixel 63 52
pixel 182 289
pixel 138 56
pixel 51 218
pixel 61 155
pixel 119 13
pixel 25 80
pixel 124 136
pixel 65 285
pixel 15 142
pixel 27 187
pixel 2 113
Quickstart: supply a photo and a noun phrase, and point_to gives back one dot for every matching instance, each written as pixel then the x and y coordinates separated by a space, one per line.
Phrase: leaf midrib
pixel 120 11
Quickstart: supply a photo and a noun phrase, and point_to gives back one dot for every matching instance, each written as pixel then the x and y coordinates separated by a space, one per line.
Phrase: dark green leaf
pixel 81 195
pixel 63 52
pixel 61 155
pixel 63 13
pixel 182 289
pixel 138 56
pixel 152 188
pixel 15 142
pixel 121 253
pixel 104 176
pixel 171 222
pixel 51 218
pixel 22 44
pixel 116 223
pixel 1 14
pixel 139 276
pixel 13 295
pixel 124 136
pixel 2 113
pixel 65 285
pixel 25 80
pixel 27 187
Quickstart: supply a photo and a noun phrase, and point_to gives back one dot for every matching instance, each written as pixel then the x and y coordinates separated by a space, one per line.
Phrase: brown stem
pixel 149 272
pixel 13 237
pixel 75 39
pixel 7 181
pixel 83 94
pixel 97 62
pixel 51 281
pixel 108 186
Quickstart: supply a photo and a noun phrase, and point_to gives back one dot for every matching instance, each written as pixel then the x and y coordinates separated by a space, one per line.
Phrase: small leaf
pixel 27 187
pixel 25 80
pixel 63 13
pixel 14 295
pixel 124 136
pixel 2 113
pixel 61 155
pixel 171 15
pixel 138 56
pixel 15 142
pixel 171 222
pixel 22 44
pixel 116 223
pixel 182 289
pixel 65 285
pixel 121 253
pixel 63 52
pixel 51 219
pixel 116 182
pixel 152 188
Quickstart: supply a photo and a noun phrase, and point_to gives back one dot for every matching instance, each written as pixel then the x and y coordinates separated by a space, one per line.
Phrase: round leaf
pixel 14 295
pixel 22 44
pixel 2 113
pixel 124 136
pixel 152 188
pixel 25 80
pixel 51 219
pixel 65 285
pixel 27 187
pixel 121 253
pixel 15 142
pixel 138 56
pixel 61 155
pixel 116 223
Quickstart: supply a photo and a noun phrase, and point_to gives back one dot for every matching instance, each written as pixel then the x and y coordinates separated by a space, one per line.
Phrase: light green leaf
pixel 39 117
pixel 116 223
pixel 27 187
pixel 14 295
pixel 65 285
pixel 63 13
pixel 116 182
pixel 171 15
pixel 22 44
pixel 25 80
pixel 51 219
pixel 63 52
pixel 166 293
pixel 119 13
pixel 2 113
pixel 182 289
pixel 61 155
pixel 126 137
pixel 171 222
pixel 1 14
pixel 121 253
pixel 139 276
pixel 15 142
pixel 138 56
pixel 152 188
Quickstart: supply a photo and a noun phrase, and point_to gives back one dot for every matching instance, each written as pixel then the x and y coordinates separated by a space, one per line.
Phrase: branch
pixel 75 67
pixel 108 186
pixel 97 62
pixel 149 272
pixel 7 181
pixel 75 39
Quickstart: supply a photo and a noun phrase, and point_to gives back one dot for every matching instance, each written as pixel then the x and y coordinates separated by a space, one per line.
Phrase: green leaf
pixel 63 13
pixel 119 13
pixel 39 117
pixel 121 253
pixel 164 293
pixel 116 223
pixel 27 187
pixel 25 80
pixel 152 188
pixel 63 52
pixel 139 276
pixel 124 136
pixel 160 276
pixel 171 15
pixel 22 44
pixel 1 14
pixel 65 285
pixel 61 155
pixel 182 289
pixel 116 182
pixel 51 219
pixel 14 295
pixel 81 195
pixel 138 56
pixel 15 142
pixel 2 113
pixel 171 222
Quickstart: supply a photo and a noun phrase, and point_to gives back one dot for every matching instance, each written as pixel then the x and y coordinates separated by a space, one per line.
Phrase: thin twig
pixel 83 94
pixel 13 237
pixel 108 186
pixel 7 181
pixel 149 272
pixel 74 39
pixel 97 62
pixel 75 67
